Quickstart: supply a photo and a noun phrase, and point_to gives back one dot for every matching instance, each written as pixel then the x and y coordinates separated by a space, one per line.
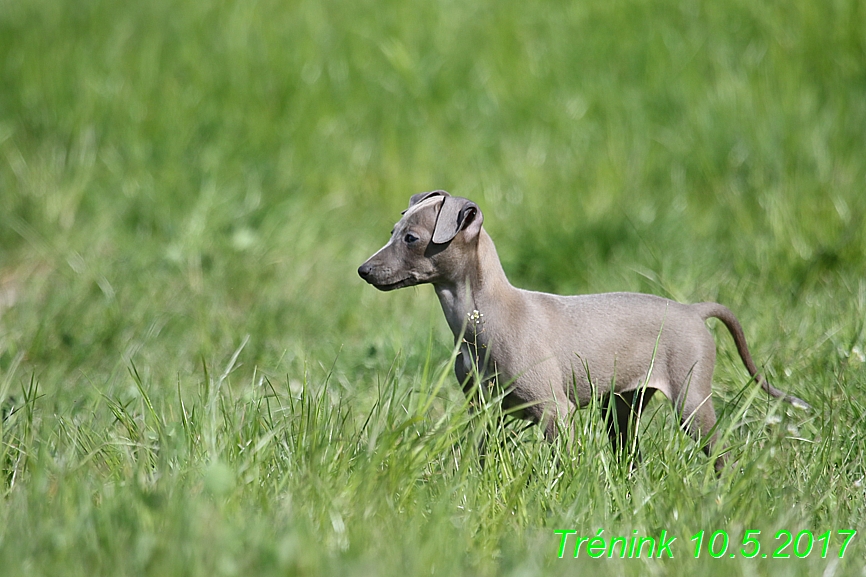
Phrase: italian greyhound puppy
pixel 553 353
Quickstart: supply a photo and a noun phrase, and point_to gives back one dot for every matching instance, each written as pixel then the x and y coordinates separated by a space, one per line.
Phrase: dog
pixel 554 353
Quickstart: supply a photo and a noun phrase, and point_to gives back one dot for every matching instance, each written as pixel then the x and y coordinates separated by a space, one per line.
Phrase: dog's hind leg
pixel 621 412
pixel 699 420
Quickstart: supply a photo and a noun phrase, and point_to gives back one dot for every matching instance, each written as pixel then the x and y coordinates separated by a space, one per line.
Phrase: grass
pixel 194 380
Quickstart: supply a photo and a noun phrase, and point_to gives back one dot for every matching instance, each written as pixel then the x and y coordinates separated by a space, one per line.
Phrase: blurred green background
pixel 176 176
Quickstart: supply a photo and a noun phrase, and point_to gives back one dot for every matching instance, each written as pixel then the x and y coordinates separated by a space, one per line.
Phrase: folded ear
pixel 416 198
pixel 455 215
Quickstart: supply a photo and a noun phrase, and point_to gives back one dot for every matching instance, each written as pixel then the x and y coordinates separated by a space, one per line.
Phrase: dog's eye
pixel 410 238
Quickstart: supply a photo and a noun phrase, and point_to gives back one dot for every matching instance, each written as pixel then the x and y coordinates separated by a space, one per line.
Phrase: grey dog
pixel 553 353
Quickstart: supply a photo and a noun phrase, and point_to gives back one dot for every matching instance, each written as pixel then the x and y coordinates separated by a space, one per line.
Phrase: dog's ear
pixel 416 198
pixel 455 215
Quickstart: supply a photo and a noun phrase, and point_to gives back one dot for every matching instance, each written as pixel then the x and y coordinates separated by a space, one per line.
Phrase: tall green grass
pixel 193 379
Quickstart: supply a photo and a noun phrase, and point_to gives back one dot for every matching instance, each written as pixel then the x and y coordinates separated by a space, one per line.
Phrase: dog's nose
pixel 364 271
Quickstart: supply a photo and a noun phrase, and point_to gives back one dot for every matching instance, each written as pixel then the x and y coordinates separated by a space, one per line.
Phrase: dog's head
pixel 419 249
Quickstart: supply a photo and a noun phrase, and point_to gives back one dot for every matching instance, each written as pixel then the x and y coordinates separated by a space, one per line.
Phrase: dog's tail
pixel 724 314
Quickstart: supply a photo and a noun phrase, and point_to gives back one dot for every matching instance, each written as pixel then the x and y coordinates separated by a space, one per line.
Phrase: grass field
pixel 194 381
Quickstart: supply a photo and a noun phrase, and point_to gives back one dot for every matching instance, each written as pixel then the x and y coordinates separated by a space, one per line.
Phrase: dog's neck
pixel 473 293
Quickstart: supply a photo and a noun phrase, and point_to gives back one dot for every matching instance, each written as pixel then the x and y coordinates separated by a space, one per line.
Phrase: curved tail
pixel 724 314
